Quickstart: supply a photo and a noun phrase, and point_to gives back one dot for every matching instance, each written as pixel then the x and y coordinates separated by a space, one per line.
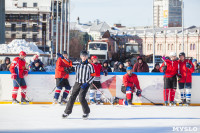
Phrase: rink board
pixel 41 84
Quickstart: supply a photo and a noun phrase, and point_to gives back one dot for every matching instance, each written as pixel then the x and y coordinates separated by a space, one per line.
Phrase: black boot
pixel 23 100
pixel 64 116
pixel 116 100
pixel 15 101
pixel 85 116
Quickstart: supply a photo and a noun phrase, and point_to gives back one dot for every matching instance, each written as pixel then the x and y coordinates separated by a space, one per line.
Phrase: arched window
pixel 168 46
pixel 179 46
pixel 158 47
pixel 194 46
pixel 172 47
pixel 161 47
pixel 147 46
pixel 190 46
pixel 150 46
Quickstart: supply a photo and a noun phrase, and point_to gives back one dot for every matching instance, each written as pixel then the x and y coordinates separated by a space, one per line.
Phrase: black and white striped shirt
pixel 85 73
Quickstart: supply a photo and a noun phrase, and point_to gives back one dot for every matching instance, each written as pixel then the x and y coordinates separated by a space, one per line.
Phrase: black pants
pixel 170 83
pixel 82 93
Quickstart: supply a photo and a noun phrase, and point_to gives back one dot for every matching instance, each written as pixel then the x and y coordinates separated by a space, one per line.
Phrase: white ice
pixel 102 119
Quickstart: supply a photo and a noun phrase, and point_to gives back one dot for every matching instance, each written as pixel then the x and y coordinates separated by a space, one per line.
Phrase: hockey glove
pixel 138 93
pixel 164 68
pixel 66 70
pixel 14 76
pixel 60 55
pixel 84 86
pixel 105 72
pixel 188 65
pixel 25 72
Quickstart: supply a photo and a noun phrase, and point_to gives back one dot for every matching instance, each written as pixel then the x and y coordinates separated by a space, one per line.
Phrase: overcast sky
pixel 127 12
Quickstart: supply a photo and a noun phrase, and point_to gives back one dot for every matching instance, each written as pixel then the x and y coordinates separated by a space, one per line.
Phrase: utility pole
pixel 52 30
pixel 153 38
pixel 182 26
pixel 61 26
pixel 65 30
pixel 68 37
pixel 57 10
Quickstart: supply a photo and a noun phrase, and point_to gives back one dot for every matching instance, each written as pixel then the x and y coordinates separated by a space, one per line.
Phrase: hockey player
pixel 130 82
pixel 186 68
pixel 170 67
pixel 85 75
pixel 18 71
pixel 98 68
pixel 62 71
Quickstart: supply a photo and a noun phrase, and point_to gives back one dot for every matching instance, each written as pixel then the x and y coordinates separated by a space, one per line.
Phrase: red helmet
pixel 22 53
pixel 94 57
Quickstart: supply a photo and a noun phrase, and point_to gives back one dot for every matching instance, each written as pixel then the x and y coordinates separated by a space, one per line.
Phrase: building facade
pixel 29 20
pixel 167 13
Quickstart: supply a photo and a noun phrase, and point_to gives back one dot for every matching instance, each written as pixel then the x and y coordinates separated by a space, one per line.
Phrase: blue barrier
pixel 110 73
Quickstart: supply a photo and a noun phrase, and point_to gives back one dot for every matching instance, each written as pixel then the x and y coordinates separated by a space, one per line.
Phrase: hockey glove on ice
pixel 138 93
pixel 84 86
pixel 188 65
pixel 60 55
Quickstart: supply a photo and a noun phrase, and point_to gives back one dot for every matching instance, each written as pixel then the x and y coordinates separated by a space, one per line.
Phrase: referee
pixel 85 74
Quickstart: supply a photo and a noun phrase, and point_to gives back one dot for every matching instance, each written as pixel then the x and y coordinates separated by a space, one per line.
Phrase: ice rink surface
pixel 102 119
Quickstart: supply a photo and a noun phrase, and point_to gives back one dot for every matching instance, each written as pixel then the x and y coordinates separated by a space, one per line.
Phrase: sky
pixel 127 12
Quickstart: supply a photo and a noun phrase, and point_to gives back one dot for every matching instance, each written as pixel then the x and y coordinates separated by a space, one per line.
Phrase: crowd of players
pixel 176 69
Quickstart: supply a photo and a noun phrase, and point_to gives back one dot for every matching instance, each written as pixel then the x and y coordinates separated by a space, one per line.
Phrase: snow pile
pixel 19 45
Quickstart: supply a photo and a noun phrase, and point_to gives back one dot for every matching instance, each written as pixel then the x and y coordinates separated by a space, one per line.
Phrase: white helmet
pixel 172 54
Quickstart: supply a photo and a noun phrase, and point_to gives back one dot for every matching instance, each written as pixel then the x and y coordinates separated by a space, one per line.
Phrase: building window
pixel 35 28
pixel 150 46
pixel 13 36
pixel 190 46
pixel 193 46
pixel 35 4
pixel 13 27
pixel 172 47
pixel 24 28
pixel 179 46
pixel 44 17
pixel 23 36
pixel 34 37
pixel 24 4
pixel 160 47
pixel 168 46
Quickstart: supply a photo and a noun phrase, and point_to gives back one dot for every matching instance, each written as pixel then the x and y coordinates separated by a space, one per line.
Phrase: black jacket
pixel 4 67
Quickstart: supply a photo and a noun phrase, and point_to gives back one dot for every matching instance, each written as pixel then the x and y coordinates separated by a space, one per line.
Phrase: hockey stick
pixel 151 101
pixel 23 91
pixel 103 94
pixel 58 83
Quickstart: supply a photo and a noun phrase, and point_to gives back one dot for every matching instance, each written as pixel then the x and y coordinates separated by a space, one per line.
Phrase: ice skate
pixel 85 116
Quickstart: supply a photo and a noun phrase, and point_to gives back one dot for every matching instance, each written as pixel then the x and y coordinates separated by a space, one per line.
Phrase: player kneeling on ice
pixel 63 67
pixel 186 68
pixel 96 83
pixel 170 68
pixel 18 71
pixel 85 75
pixel 130 83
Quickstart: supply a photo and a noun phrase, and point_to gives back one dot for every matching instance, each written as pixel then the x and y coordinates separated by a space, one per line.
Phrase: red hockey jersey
pixel 183 70
pixel 60 68
pixel 97 68
pixel 131 81
pixel 18 66
pixel 172 68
